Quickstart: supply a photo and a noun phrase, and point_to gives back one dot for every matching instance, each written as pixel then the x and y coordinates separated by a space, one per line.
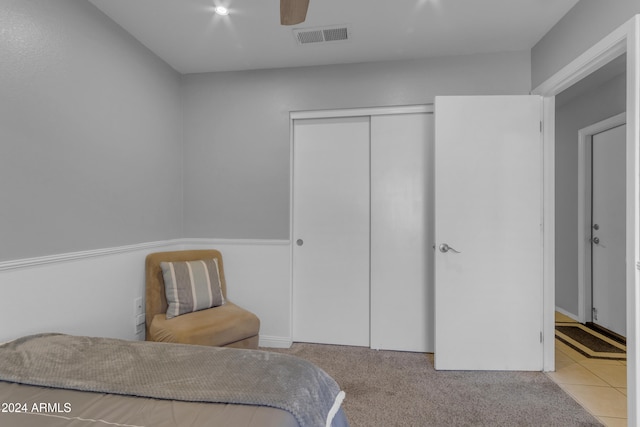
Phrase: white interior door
pixel 488 233
pixel 608 242
pixel 401 233
pixel 331 231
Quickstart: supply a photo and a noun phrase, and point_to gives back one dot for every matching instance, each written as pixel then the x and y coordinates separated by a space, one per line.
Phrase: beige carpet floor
pixel 388 388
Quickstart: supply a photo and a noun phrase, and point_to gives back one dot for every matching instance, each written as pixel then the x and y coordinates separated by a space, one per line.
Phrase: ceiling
pixel 190 37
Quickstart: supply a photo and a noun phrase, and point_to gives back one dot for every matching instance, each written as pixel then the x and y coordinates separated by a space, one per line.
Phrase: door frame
pixel 584 210
pixel 626 38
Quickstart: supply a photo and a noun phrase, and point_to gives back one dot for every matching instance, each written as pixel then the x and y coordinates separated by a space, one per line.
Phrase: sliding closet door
pixel 401 234
pixel 331 231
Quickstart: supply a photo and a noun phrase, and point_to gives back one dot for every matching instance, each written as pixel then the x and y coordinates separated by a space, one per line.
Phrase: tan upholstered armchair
pixel 226 325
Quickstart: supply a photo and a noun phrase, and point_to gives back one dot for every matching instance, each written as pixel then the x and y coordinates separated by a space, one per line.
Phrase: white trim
pixel 269 341
pixel 603 52
pixel 291 219
pixel 548 233
pixel 584 210
pixel 633 222
pixel 73 256
pixel 625 38
pixel 215 241
pixel 365 111
pixel 566 313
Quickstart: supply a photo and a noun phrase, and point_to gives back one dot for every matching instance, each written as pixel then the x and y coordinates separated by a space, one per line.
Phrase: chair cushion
pixel 217 326
pixel 191 286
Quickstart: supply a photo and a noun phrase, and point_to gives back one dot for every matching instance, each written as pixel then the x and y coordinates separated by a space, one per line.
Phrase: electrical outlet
pixel 140 319
pixel 138 308
pixel 138 316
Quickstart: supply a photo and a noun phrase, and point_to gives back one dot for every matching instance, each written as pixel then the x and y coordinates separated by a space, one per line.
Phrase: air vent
pixel 335 33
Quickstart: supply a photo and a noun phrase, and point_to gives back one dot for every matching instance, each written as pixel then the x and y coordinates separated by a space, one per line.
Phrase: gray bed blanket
pixel 174 371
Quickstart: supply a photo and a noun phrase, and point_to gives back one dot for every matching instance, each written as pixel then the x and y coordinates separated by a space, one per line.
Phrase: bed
pixel 74 381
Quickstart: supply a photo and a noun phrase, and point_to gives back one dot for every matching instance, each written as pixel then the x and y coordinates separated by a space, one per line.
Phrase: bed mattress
pixel 32 406
pixel 61 380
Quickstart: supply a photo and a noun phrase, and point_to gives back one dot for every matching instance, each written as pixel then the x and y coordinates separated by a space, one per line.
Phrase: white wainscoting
pixel 83 293
pixel 258 278
pixel 93 292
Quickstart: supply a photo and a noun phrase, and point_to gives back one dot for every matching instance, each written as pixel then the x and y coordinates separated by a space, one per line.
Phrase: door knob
pixel 299 242
pixel 596 240
pixel 444 248
pixel 596 227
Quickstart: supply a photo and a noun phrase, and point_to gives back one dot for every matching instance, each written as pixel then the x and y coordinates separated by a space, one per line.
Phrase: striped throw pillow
pixel 191 286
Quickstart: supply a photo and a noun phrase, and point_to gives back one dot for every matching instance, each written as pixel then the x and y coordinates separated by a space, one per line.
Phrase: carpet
pixel 589 342
pixel 391 388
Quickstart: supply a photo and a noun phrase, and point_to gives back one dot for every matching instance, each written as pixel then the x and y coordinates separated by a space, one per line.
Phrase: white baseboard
pixel 566 313
pixel 275 342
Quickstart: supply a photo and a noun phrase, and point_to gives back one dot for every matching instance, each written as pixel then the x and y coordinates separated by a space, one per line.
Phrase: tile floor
pixel 600 386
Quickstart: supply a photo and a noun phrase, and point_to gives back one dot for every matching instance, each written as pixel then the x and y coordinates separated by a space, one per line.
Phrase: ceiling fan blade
pixel 293 11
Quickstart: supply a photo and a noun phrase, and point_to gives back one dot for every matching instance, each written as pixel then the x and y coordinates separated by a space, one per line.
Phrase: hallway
pixel 600 386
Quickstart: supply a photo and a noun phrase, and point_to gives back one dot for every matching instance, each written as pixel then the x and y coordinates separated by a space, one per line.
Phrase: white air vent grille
pixel 336 33
pixel 305 37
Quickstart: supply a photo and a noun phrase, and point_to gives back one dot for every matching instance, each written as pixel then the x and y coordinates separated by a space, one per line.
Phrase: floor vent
pixel 335 33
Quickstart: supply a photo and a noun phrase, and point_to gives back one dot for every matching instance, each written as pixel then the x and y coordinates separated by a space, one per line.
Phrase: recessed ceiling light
pixel 221 10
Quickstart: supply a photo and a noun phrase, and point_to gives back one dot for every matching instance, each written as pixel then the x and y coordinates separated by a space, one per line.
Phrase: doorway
pixel 625 39
pixel 601 224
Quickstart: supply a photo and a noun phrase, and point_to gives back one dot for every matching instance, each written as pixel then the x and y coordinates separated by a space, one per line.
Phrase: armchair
pixel 225 325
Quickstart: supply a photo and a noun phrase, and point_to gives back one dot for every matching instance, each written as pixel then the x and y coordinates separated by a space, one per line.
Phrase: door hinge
pixel 540 336
pixel 541 126
pixel 594 314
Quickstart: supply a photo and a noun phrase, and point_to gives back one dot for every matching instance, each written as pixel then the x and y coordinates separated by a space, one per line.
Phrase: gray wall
pixel 602 102
pixel 583 26
pixel 237 127
pixel 90 133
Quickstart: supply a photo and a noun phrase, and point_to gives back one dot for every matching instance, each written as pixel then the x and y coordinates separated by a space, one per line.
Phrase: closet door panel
pixel 401 232
pixel 331 231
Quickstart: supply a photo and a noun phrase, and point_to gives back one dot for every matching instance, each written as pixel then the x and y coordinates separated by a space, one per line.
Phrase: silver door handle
pixel 444 248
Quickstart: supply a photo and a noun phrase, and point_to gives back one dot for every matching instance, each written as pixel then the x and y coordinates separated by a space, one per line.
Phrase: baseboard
pixel 275 342
pixel 566 313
